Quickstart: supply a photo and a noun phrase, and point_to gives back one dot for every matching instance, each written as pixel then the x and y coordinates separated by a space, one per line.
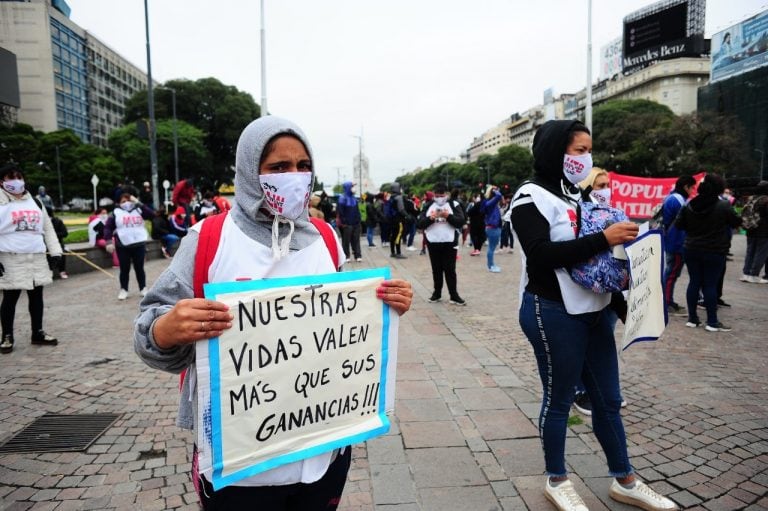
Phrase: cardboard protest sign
pixel 307 367
pixel 646 314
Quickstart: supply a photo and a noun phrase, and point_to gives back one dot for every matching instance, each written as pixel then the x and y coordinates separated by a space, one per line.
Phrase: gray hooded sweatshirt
pixel 176 282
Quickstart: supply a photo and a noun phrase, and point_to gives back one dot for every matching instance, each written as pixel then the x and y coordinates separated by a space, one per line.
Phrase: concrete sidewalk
pixel 463 435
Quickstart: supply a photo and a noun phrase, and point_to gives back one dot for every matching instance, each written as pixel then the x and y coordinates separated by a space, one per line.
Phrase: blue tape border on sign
pixel 211 291
pixel 661 244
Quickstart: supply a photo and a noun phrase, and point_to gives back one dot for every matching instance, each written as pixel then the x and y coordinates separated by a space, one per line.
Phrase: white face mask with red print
pixel 602 197
pixel 576 167
pixel 286 195
pixel 14 186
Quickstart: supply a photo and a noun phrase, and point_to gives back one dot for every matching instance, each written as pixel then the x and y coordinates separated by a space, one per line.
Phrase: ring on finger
pixel 202 326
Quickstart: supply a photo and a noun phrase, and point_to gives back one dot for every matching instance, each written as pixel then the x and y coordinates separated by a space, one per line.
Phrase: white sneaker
pixel 143 291
pixel 564 496
pixel 755 279
pixel 411 249
pixel 745 278
pixel 122 295
pixel 642 496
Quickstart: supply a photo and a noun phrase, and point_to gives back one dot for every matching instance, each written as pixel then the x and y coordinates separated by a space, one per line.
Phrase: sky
pixel 417 79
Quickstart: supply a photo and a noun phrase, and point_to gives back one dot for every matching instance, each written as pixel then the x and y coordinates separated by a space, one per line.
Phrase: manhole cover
pixel 60 433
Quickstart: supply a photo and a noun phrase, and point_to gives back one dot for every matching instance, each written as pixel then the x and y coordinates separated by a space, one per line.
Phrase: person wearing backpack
pixel 397 218
pixel 258 239
pixel 754 219
pixel 349 222
pixel 490 208
pixel 674 239
pixel 566 323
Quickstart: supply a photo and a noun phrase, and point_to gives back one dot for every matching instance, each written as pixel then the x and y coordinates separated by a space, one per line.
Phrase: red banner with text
pixel 637 196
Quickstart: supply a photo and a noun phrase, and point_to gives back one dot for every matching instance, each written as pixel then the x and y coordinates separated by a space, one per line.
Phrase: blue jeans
pixel 757 253
pixel 570 347
pixel 704 270
pixel 369 234
pixel 169 241
pixel 493 234
pixel 673 267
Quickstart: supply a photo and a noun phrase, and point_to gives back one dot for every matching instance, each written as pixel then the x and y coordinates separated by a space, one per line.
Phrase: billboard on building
pixel 740 48
pixel 610 59
pixel 663 30
pixel 9 79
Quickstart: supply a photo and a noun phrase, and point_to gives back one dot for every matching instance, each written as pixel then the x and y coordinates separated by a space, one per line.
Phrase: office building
pixel 67 78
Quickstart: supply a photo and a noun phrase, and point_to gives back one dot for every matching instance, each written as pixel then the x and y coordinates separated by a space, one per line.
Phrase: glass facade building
pixel 70 79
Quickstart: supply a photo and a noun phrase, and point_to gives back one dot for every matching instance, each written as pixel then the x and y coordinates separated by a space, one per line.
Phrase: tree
pixel 35 152
pixel 133 152
pixel 621 134
pixel 220 111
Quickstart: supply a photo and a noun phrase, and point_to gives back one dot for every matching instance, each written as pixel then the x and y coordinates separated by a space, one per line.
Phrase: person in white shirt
pixel 130 240
pixel 441 219
pixel 26 233
pixel 258 240
pixel 568 325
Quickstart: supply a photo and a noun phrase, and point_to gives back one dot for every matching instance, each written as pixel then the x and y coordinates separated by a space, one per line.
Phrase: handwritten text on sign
pixel 302 371
pixel 645 304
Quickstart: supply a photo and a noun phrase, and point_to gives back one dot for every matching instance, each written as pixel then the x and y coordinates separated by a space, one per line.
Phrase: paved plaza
pixel 464 434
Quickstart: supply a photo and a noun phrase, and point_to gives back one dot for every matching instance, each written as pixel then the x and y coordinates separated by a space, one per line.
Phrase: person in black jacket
pixel 371 219
pixel 61 233
pixel 707 221
pixel 441 219
pixel 567 325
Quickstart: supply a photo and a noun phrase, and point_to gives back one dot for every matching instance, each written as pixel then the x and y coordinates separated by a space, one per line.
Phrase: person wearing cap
pixel 261 239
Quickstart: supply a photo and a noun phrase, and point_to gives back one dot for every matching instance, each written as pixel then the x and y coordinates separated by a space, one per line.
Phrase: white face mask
pixel 440 201
pixel 577 167
pixel 103 218
pixel 126 206
pixel 286 194
pixel 602 197
pixel 15 186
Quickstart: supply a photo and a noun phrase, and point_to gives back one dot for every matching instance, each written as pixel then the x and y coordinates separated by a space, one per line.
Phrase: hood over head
pixel 549 145
pixel 249 211
pixel 347 187
pixel 708 193
pixel 394 189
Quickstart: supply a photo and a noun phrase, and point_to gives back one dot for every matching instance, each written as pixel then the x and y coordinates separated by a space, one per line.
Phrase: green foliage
pixel 507 169
pixel 643 138
pixel 219 111
pixel 133 152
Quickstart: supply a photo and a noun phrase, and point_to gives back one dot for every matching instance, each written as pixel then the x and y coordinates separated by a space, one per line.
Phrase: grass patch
pixel 574 420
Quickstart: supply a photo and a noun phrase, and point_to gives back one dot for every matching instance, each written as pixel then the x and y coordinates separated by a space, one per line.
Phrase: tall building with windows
pixel 67 77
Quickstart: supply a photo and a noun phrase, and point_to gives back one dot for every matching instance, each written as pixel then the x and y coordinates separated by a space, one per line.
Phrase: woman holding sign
pixel 567 324
pixel 267 234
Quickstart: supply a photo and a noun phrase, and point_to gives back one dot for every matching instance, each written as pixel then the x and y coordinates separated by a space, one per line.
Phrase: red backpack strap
pixel 207 244
pixel 328 237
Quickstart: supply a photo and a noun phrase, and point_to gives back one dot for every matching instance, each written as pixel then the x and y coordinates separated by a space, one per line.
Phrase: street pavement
pixel 464 434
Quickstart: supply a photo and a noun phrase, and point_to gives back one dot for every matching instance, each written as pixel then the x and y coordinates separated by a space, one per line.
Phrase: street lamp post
pixel 151 103
pixel 264 110
pixel 175 138
pixel 762 161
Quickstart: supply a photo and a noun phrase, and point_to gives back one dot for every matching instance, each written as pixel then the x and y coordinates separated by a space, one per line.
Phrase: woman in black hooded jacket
pixel 707 221
pixel 567 325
